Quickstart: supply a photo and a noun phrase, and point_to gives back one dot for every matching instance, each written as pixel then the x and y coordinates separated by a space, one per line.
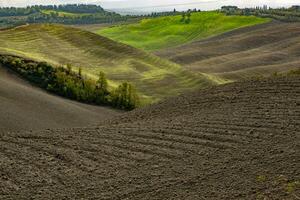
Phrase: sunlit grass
pixel 164 32
pixel 64 14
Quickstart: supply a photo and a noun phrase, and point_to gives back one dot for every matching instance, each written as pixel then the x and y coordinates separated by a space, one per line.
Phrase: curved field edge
pixel 166 32
pixel 25 107
pixel 73 85
pixel 259 50
pixel 154 78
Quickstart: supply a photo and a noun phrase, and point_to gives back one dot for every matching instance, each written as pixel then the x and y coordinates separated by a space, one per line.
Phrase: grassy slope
pixel 64 14
pixel 164 32
pixel 154 77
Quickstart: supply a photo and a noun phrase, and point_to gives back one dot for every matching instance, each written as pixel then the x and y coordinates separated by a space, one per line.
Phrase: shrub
pixel 67 83
pixel 125 97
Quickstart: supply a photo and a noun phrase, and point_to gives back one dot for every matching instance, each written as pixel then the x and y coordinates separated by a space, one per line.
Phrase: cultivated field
pixel 25 107
pixel 155 78
pixel 234 141
pixel 257 50
pixel 163 32
pixel 238 141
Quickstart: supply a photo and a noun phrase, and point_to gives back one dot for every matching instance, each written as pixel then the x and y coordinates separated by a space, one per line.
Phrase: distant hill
pixel 63 14
pixel 291 14
pixel 164 32
pixel 155 78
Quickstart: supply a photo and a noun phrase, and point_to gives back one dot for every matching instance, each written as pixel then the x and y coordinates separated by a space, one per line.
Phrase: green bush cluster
pixel 73 85
pixel 186 17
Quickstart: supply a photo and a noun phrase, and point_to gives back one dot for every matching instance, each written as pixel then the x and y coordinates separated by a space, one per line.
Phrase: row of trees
pixel 73 85
pixel 291 14
pixel 54 17
pixel 168 13
pixel 82 14
pixel 72 8
pixel 12 11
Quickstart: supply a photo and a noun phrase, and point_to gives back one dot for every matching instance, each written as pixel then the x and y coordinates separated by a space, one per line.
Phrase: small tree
pixel 80 72
pixel 101 91
pixel 188 20
pixel 183 17
pixel 69 68
pixel 125 97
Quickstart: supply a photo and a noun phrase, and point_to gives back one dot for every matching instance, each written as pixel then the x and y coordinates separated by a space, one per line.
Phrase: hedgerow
pixel 73 85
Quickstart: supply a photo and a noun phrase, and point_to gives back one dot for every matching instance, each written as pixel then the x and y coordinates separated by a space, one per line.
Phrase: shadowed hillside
pixel 154 77
pixel 237 141
pixel 258 50
pixel 25 107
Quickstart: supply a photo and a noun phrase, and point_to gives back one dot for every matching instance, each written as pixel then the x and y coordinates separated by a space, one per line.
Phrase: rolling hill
pixel 163 32
pixel 237 141
pixel 25 107
pixel 155 78
pixel 61 14
pixel 239 54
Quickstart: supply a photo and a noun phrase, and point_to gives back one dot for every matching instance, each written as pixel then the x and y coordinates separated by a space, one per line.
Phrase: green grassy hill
pixel 164 32
pixel 155 78
pixel 63 14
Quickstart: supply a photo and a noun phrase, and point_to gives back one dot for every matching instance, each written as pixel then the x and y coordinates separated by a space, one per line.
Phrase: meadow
pixel 164 32
pixel 63 14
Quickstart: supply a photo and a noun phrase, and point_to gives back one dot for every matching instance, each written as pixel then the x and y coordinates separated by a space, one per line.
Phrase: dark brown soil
pixel 25 107
pixel 237 141
pixel 261 49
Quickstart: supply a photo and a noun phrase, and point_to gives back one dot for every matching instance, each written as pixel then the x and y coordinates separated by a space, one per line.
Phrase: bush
pixel 65 82
pixel 125 97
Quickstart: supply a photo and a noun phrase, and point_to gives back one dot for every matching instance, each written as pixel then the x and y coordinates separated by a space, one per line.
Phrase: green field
pixel 60 13
pixel 164 32
pixel 64 14
pixel 155 78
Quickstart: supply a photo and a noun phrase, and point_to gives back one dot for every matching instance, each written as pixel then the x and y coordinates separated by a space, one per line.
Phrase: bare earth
pixel 257 50
pixel 26 107
pixel 236 141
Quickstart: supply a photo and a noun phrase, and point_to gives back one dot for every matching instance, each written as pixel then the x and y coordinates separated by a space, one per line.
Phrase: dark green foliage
pixel 12 11
pixel 291 14
pixel 86 14
pixel 83 14
pixel 125 97
pixel 188 20
pixel 186 16
pixel 101 90
pixel 172 13
pixel 67 83
pixel 72 8
pixel 182 17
